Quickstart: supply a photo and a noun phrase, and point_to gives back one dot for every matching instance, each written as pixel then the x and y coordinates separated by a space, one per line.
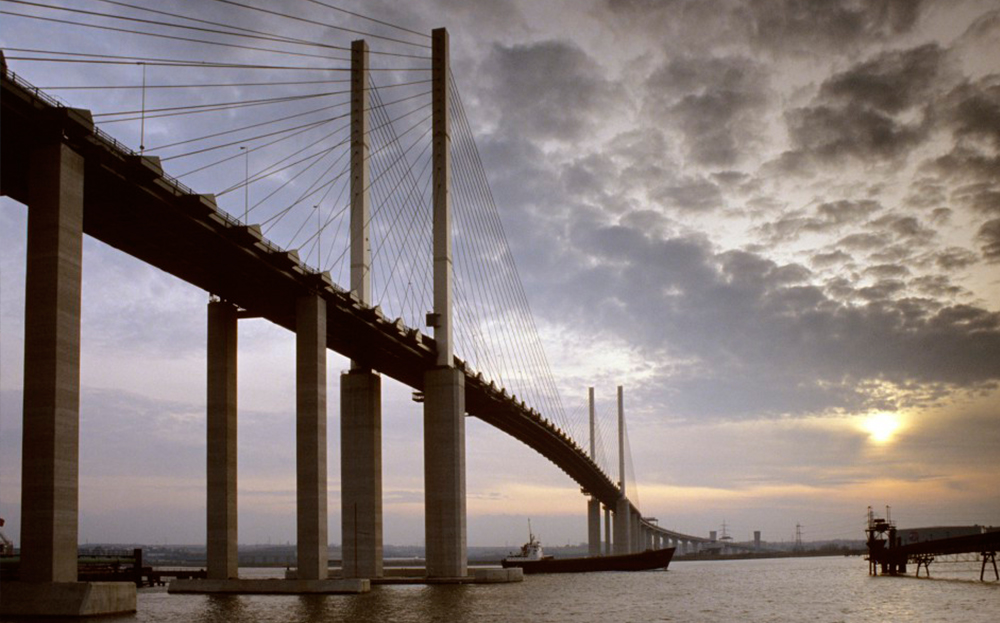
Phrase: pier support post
pixel 223 560
pixel 50 457
pixel 607 531
pixel 623 527
pixel 51 442
pixel 636 533
pixel 444 473
pixel 310 434
pixel 361 473
pixel 594 527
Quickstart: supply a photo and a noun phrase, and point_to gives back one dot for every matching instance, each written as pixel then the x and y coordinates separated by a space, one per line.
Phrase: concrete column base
pixel 444 473
pixel 623 527
pixel 67 599
pixel 361 473
pixel 593 527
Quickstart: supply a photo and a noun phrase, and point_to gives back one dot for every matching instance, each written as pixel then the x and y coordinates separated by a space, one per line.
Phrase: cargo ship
pixel 532 559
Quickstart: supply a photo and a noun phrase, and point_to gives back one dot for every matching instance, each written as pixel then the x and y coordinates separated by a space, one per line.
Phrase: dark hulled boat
pixel 532 560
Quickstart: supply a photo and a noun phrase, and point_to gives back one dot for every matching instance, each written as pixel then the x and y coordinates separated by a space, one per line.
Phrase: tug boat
pixel 532 559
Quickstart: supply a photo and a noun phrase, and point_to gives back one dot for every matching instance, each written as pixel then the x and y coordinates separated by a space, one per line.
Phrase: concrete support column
pixel 361 473
pixel 444 473
pixel 607 531
pixel 223 559
pixel 51 438
pixel 636 533
pixel 593 527
pixel 310 434
pixel 623 527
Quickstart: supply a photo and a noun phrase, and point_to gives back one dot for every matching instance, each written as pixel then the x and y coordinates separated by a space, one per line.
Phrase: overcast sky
pixel 776 223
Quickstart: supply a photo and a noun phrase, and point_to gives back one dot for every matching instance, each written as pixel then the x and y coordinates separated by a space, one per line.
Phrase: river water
pixel 790 589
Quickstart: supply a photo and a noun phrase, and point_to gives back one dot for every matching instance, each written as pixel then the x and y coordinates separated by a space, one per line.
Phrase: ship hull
pixel 641 561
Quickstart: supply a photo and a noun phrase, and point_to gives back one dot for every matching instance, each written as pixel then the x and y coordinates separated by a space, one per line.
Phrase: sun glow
pixel 882 426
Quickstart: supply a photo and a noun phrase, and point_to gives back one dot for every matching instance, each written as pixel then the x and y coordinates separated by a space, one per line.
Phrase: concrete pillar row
pixel 221 505
pixel 310 435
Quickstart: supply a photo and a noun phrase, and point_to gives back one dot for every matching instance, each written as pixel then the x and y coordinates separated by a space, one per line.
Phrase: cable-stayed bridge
pixel 341 196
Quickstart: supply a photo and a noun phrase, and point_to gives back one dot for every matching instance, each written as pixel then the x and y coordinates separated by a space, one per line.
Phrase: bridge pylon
pixel 444 385
pixel 360 387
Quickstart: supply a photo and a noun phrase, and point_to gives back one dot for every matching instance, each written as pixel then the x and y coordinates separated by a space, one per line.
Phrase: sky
pixel 776 224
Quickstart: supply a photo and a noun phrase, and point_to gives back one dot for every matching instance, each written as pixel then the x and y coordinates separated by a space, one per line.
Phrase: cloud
pixel 714 103
pixel 989 236
pixel 548 90
pixel 826 217
pixel 813 26
pixel 747 321
pixel 892 82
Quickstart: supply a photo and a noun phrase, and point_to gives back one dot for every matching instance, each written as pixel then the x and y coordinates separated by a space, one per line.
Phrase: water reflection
pixel 226 608
pixel 446 603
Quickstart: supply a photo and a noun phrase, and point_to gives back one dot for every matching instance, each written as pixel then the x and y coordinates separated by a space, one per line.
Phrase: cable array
pixel 280 158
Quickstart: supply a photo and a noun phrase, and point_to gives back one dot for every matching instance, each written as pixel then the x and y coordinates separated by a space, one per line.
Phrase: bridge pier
pixel 623 527
pixel 361 473
pixel 594 527
pixel 444 473
pixel 310 434
pixel 50 462
pixel 635 533
pixel 607 531
pixel 221 503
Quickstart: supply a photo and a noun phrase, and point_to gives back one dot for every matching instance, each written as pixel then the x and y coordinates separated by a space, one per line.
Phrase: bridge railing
pixel 125 151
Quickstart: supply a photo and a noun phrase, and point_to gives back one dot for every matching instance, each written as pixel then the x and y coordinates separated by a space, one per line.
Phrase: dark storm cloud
pixel 878 109
pixel 809 26
pixel 694 194
pixel 548 90
pixel 749 321
pixel 833 258
pixel 954 258
pixel 891 82
pixel 826 217
pixel 989 236
pixel 887 271
pixel 714 103
pixel 937 286
pixel 832 133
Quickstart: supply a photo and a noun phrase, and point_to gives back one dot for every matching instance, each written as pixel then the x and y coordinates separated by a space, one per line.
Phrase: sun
pixel 882 426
